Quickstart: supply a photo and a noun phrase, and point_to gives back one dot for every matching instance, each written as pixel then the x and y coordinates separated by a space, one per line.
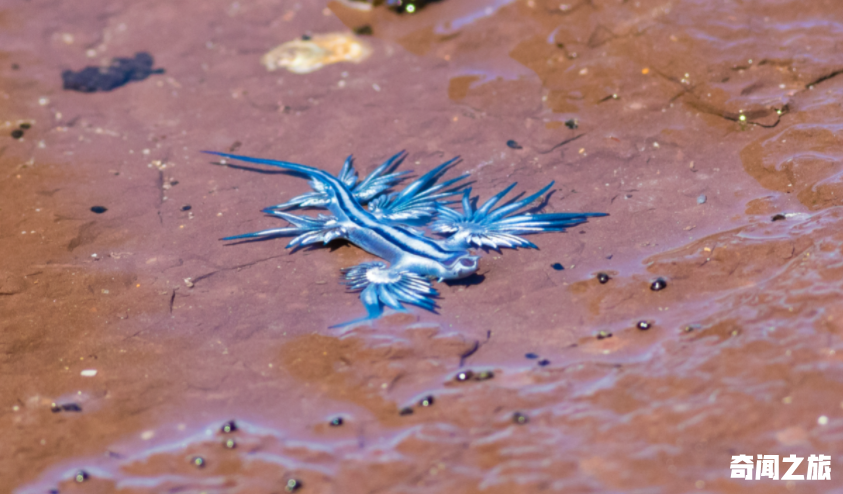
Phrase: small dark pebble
pixel 228 427
pixel 17 133
pixel 426 401
pixel 520 418
pixel 603 278
pixel 174 182
pixel 659 284
pixel 25 125
pixel 406 411
pixel 572 123
pixel 336 422
pixel 230 444
pixel 778 217
pixel 293 485
pixel 55 408
pixel 544 362
pixel 644 325
pixel 99 209
pixel 186 207
pixel 602 335
pixel 557 266
pixel 198 461
pixel 364 30
pixel 81 476
pixel 15 66
pixel 484 375
pixel 305 37
pixel 121 71
pixel 71 407
pixel 464 376
pixel 514 144
pixel 531 355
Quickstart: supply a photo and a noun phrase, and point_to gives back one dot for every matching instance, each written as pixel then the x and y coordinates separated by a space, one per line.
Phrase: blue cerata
pixel 391 227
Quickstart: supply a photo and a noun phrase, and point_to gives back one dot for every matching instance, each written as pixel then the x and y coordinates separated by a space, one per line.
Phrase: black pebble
pixel 557 266
pixel 99 209
pixel 293 485
pixel 572 123
pixel 406 411
pixel 55 408
pixel 81 476
pixel 602 335
pixel 230 444
pixel 644 325
pixel 520 418
pixel 778 217
pixel 186 207
pixel 484 375
pixel 25 125
pixel 198 461
pixel 174 182
pixel 464 376
pixel 120 72
pixel 17 133
pixel 544 362
pixel 228 427
pixel 603 278
pixel 305 37
pixel 426 401
pixel 513 144
pixel 336 421
pixel 531 355
pixel 364 30
pixel 659 284
pixel 71 407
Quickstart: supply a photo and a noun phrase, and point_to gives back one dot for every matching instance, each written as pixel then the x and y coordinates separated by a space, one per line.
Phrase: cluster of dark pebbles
pixel 18 133
pixel 120 72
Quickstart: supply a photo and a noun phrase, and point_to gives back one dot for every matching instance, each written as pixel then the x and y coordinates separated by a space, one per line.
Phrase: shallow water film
pixel 639 352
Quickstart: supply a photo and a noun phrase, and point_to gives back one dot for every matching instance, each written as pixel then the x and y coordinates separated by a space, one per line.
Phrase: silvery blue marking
pixel 388 229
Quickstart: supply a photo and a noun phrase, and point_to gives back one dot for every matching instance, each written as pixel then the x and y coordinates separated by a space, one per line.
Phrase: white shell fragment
pixel 88 373
pixel 304 56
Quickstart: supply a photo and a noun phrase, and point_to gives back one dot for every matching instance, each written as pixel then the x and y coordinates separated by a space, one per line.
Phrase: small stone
pixel 544 362
pixel 779 217
pixel 643 325
pixel 71 407
pixel 364 30
pixel 55 408
pixel 406 411
pixel 198 461
pixel 572 123
pixel 603 278
pixel 520 418
pixel 557 266
pixel 293 485
pixel 464 376
pixel 25 125
pixel 426 401
pixel 336 422
pixel 228 427
pixel 659 284
pixel 701 199
pixel 602 335
pixel 99 209
pixel 17 133
pixel 81 476
pixel 513 144
pixel 531 355
pixel 484 375
pixel 186 207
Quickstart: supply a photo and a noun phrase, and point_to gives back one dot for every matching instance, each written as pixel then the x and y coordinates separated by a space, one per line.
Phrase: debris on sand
pixel 302 56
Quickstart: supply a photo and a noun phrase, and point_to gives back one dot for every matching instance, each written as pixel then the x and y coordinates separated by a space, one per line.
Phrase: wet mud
pixel 131 338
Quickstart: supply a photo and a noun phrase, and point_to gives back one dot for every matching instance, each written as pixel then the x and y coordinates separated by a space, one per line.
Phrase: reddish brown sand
pixel 743 357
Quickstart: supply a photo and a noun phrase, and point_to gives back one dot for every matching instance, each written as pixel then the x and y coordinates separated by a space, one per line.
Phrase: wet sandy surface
pixel 738 102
